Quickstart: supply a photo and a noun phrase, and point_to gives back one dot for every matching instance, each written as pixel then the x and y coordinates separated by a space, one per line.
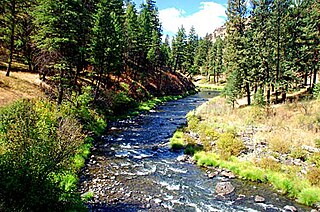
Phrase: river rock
pixel 228 174
pixel 157 201
pixel 289 208
pixel 155 148
pixel 259 199
pixel 224 188
pixel 182 158
pixel 212 174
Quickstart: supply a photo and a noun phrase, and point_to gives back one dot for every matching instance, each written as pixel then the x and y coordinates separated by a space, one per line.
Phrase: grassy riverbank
pixel 44 146
pixel 277 144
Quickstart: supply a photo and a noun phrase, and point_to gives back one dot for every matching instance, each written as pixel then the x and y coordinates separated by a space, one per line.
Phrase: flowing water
pixel 133 169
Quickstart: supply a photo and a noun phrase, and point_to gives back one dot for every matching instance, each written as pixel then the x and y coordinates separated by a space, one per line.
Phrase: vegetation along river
pixel 133 169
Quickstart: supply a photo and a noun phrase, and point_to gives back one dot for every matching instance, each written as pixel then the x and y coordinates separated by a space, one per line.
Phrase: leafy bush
pixel 79 107
pixel 317 142
pixel 122 103
pixel 299 153
pixel 38 146
pixel 313 176
pixel 228 145
pixel 316 91
pixel 259 99
pixel 269 163
pixel 278 144
pixel 315 158
pixel 193 121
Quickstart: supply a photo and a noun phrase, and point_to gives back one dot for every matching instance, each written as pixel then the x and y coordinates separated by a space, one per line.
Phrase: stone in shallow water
pixel 212 175
pixel 259 199
pixel 224 188
pixel 182 158
pixel 228 174
pixel 289 208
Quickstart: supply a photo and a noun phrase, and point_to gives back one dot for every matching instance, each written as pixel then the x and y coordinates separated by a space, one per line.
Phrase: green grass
pixel 210 86
pixel 177 141
pixel 291 186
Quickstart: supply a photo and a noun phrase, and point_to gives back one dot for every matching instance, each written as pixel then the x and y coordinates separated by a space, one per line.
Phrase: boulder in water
pixel 289 208
pixel 259 199
pixel 182 158
pixel 228 174
pixel 224 188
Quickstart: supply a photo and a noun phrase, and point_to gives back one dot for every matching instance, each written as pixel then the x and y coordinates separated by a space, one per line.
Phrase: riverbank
pixel 55 142
pixel 278 145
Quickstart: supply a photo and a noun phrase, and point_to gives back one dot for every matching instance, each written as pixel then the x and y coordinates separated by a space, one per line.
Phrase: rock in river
pixel 224 188
pixel 259 199
pixel 289 208
pixel 228 174
pixel 182 158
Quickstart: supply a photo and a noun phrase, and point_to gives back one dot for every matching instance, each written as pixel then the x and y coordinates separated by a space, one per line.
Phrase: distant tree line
pixel 271 47
pixel 77 40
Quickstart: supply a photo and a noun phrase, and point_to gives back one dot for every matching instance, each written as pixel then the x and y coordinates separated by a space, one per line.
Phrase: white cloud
pixel 210 16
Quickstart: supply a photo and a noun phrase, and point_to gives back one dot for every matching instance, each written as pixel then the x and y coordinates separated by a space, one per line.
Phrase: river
pixel 133 169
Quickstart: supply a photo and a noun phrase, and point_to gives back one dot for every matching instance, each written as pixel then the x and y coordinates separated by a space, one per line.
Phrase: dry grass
pixel 18 85
pixel 290 125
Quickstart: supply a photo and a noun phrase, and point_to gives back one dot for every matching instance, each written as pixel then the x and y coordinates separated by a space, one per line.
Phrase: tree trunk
pixel 248 93
pixel 13 25
pixel 61 87
pixel 268 95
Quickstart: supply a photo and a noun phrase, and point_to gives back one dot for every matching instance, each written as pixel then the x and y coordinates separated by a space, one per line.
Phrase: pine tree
pixel 235 56
pixel 57 36
pixel 8 33
pixel 106 42
pixel 201 58
pixel 179 46
pixel 190 52
pixel 133 41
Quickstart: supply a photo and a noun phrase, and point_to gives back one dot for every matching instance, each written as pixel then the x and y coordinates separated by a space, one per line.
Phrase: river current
pixel 132 169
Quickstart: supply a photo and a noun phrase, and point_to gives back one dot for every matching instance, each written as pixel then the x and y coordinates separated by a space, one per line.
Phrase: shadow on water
pixel 133 169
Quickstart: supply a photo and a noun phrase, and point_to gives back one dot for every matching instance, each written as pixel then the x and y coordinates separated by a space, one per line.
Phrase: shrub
pixel 269 163
pixel 79 107
pixel 228 145
pixel 315 158
pixel 122 103
pixel 316 91
pixel 193 121
pixel 313 176
pixel 259 99
pixel 279 145
pixel 299 153
pixel 317 142
pixel 38 144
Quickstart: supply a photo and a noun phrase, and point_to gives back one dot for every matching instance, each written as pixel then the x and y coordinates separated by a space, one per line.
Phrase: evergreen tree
pixel 190 52
pixel 106 42
pixel 57 24
pixel 236 52
pixel 179 46
pixel 8 31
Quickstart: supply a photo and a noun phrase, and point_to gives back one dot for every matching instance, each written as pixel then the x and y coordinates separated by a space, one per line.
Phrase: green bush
pixel 313 176
pixel 79 107
pixel 228 145
pixel 316 91
pixel 259 99
pixel 122 103
pixel 38 146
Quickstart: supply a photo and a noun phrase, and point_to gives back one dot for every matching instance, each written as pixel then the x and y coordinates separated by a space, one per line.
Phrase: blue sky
pixel 204 15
